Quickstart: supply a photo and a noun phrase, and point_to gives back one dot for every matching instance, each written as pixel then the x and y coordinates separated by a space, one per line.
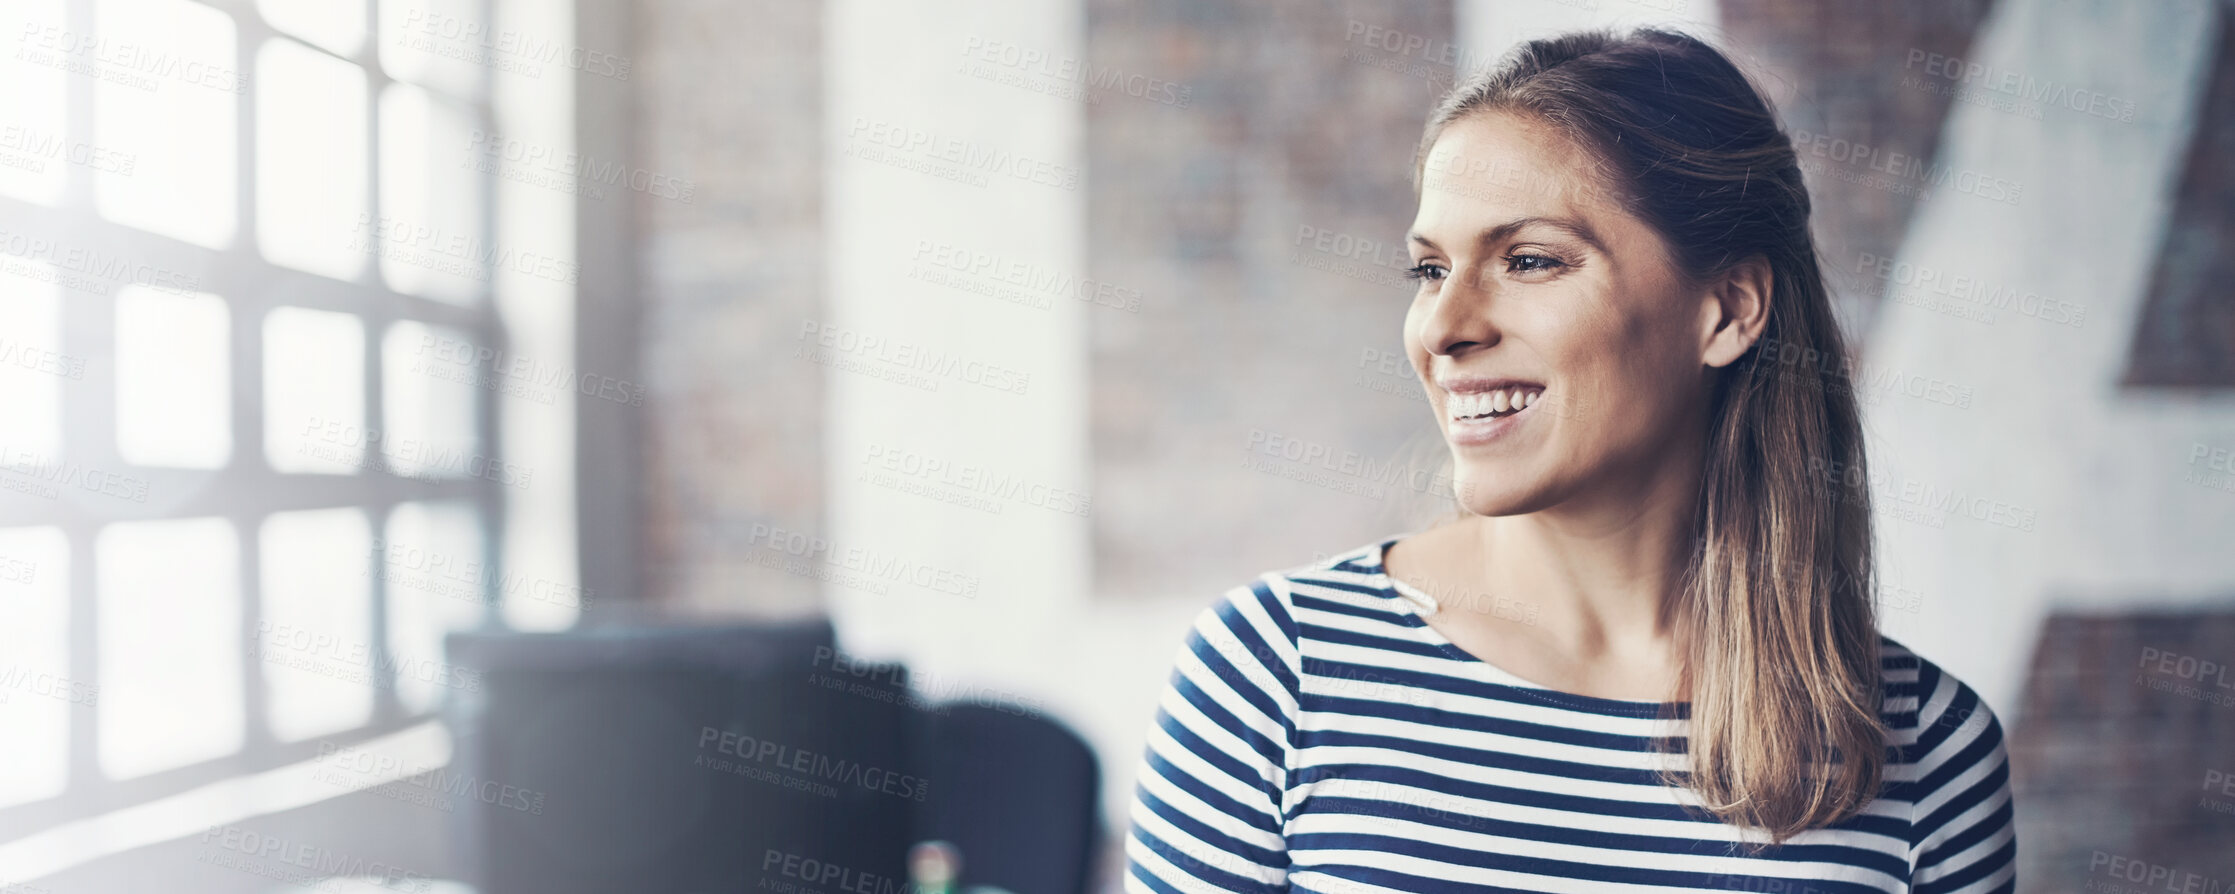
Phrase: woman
pixel 1644 657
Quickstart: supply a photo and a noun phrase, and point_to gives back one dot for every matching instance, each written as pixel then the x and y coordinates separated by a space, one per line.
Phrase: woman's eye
pixel 1526 263
pixel 1426 272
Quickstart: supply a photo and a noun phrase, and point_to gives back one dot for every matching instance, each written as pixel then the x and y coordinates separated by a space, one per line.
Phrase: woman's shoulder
pixel 1932 715
pixel 1952 767
pixel 1284 600
pixel 1348 580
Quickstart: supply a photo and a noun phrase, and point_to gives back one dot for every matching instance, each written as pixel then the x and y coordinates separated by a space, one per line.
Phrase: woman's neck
pixel 1604 568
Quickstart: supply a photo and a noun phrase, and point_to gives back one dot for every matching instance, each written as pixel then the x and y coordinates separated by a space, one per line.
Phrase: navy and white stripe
pixel 1316 735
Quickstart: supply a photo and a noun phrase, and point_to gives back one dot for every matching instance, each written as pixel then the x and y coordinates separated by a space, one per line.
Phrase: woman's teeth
pixel 1503 402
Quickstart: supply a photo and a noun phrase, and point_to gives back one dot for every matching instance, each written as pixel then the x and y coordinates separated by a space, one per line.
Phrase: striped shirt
pixel 1317 735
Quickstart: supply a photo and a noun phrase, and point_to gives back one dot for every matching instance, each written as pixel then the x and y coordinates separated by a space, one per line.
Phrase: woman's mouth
pixel 1498 403
pixel 1482 415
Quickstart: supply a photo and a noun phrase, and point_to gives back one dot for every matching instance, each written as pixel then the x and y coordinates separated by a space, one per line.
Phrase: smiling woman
pixel 1669 674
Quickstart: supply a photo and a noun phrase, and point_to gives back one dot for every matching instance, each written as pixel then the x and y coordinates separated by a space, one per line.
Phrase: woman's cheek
pixel 1414 350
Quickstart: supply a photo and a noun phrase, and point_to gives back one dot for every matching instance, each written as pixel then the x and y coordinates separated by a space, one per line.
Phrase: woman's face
pixel 1536 286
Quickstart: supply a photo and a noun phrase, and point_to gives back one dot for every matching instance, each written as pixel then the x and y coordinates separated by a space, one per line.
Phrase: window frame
pixel 246 491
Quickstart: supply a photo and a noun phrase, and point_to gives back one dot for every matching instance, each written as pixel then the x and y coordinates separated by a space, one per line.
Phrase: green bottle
pixel 933 867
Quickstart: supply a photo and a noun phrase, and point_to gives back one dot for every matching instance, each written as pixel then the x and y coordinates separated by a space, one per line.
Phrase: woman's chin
pixel 1496 492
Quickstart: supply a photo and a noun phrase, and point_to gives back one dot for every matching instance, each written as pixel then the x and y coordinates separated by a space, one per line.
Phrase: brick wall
pixel 2187 333
pixel 2125 748
pixel 1252 327
pixel 730 96
pixel 1866 72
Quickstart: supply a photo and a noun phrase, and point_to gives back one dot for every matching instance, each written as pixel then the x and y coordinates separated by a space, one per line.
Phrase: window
pixel 242 500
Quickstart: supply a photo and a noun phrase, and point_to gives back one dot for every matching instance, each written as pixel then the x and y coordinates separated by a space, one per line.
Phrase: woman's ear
pixel 1735 310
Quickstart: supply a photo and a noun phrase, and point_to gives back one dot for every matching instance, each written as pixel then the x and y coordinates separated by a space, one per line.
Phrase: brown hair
pixel 1781 661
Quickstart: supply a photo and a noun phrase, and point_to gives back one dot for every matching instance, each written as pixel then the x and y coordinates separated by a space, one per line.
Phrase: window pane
pixel 33 369
pixel 315 634
pixel 429 234
pixel 314 391
pixel 427 421
pixel 172 406
pixel 36 692
pixel 174 115
pixel 34 156
pixel 433 560
pixel 168 618
pixel 337 25
pixel 310 161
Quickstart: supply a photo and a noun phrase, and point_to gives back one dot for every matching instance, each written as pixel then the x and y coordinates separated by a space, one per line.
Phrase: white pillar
pixel 2048 440
pixel 951 140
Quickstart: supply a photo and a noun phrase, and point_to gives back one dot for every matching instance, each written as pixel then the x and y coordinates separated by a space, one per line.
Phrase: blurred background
pixel 678 445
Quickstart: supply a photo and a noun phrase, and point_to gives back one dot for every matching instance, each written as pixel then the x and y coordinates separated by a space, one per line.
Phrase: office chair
pixel 1014 791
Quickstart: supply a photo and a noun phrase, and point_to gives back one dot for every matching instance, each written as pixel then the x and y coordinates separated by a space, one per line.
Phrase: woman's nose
pixel 1460 316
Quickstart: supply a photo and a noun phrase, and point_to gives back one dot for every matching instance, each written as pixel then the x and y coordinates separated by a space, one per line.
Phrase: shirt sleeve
pixel 1207 810
pixel 1963 835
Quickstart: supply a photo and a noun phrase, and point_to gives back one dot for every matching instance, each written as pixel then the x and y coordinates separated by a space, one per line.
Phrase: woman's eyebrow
pixel 1576 228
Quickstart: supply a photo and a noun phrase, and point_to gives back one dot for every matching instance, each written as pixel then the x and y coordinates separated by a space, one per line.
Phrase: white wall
pixel 2048 431
pixel 900 113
